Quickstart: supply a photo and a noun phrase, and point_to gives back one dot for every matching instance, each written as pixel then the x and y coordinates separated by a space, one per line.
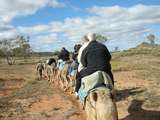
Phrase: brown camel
pixel 72 82
pixel 100 103
pixel 51 71
pixel 62 77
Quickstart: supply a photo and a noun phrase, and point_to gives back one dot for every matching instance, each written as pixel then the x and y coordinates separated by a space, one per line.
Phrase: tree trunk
pixel 10 60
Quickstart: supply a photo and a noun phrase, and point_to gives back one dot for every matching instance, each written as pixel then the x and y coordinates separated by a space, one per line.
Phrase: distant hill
pixel 142 49
pixel 44 54
pixel 145 45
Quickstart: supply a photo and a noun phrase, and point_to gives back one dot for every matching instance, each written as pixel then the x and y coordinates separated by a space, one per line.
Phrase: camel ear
pixel 94 96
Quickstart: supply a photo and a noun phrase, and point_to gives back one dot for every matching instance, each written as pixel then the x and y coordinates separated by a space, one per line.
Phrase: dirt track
pixel 131 103
pixel 60 106
pixel 55 105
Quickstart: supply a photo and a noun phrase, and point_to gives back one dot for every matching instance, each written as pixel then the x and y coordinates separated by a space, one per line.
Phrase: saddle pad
pixel 61 65
pixel 91 82
pixel 73 73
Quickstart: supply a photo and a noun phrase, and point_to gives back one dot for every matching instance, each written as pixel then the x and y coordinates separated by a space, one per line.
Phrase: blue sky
pixel 62 13
pixel 52 24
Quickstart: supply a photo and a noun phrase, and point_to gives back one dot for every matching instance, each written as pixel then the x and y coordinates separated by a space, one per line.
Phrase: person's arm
pixel 74 56
pixel 80 66
pixel 109 57
pixel 78 82
pixel 37 66
pixel 84 58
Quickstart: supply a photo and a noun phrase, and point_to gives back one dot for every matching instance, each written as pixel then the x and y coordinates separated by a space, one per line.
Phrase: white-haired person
pixel 93 56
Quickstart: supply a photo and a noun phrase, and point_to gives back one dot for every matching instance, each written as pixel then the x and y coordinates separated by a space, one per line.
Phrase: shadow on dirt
pixel 136 112
pixel 125 93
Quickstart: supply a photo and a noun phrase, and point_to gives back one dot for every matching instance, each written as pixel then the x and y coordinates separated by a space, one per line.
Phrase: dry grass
pixel 16 104
pixel 137 81
pixel 15 101
pixel 144 62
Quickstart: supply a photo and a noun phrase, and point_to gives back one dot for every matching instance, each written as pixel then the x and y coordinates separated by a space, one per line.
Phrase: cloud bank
pixel 116 22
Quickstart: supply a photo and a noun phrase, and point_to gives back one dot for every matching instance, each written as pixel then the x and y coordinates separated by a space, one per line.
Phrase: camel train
pixel 96 91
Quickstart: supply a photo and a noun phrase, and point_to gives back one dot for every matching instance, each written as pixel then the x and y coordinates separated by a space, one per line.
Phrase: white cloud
pixel 34 29
pixel 8 34
pixel 44 42
pixel 114 21
pixel 119 23
pixel 10 9
pixel 46 39
pixel 56 4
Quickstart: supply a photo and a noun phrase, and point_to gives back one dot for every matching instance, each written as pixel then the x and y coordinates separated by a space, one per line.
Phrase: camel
pixel 66 81
pixel 62 77
pixel 99 103
pixel 72 82
pixel 51 71
pixel 40 68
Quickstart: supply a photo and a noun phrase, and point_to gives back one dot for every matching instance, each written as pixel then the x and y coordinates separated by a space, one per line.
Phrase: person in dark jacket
pixel 51 61
pixel 74 64
pixel 64 54
pixel 75 53
pixel 94 57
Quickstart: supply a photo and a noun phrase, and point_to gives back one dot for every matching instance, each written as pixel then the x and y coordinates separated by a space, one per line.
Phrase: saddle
pixel 96 80
pixel 61 64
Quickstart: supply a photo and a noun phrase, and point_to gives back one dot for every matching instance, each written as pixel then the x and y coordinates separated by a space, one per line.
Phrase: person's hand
pixel 76 95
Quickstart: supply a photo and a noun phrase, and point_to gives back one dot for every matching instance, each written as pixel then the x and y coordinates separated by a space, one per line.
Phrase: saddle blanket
pixel 60 64
pixel 96 80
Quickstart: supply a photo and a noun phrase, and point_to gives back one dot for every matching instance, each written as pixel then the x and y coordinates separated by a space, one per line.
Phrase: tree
pixel 102 38
pixel 7 46
pixel 116 49
pixel 15 47
pixel 23 49
pixel 1 53
pixel 151 39
pixel 55 53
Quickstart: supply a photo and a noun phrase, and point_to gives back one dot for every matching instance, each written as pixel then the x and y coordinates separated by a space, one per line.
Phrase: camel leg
pixel 67 82
pixel 64 83
pixel 72 84
pixel 52 76
pixel 61 81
